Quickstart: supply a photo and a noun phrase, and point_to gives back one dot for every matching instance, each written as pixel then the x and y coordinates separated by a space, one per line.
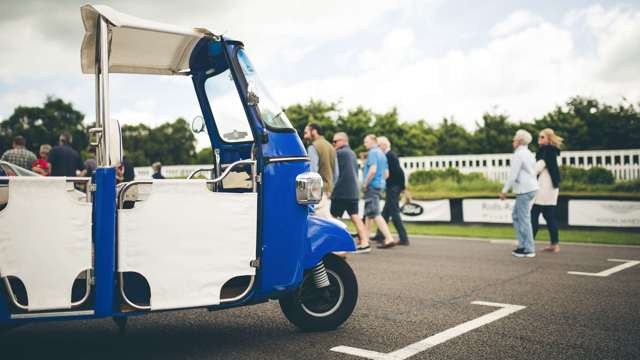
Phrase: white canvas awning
pixel 138 46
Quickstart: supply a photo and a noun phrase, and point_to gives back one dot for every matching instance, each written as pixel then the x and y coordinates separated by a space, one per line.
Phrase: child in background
pixel 41 166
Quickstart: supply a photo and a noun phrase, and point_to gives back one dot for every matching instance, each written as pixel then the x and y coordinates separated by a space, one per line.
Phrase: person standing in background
pixel 374 175
pixel 64 159
pixel 395 185
pixel 157 170
pixel 18 154
pixel 324 162
pixel 346 191
pixel 523 181
pixel 549 186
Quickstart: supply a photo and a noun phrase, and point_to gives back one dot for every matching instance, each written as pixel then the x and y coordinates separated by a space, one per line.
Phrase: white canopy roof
pixel 138 46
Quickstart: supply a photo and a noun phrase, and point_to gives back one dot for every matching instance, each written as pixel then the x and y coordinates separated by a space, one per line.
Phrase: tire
pixel 312 309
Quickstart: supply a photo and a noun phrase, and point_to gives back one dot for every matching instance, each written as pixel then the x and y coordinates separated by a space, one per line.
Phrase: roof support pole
pixel 103 152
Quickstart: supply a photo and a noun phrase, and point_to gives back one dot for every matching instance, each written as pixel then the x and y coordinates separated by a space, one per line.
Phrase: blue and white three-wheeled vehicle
pixel 241 235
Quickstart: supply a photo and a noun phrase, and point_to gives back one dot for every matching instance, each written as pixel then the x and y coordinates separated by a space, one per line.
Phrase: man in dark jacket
pixel 64 159
pixel 346 190
pixel 395 186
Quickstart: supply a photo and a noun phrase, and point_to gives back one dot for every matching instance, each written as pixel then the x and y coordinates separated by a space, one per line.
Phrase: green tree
pixel 171 143
pixel 357 123
pixel 43 125
pixel 587 124
pixel 318 112
pixel 420 139
pixel 494 134
pixel 453 139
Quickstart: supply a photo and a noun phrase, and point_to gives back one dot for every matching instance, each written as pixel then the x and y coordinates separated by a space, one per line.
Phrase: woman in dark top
pixel 549 185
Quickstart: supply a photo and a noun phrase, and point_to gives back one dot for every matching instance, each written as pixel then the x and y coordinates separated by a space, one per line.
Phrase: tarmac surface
pixel 407 294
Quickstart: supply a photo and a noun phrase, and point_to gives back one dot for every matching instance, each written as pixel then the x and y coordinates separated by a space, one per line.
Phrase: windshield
pixel 270 112
pixel 226 107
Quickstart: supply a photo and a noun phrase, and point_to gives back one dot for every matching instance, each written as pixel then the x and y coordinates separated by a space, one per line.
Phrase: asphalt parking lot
pixel 407 295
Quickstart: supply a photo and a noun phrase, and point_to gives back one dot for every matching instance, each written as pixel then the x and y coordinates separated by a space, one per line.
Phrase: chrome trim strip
pixel 194 172
pixel 126 187
pixel 12 296
pixel 126 299
pixel 290 158
pixel 53 314
pixel 87 290
pixel 244 293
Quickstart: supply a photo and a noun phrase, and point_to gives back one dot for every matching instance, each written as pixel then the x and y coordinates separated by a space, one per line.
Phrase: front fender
pixel 323 237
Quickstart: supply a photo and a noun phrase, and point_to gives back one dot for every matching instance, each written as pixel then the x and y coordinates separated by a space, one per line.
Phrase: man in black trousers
pixel 395 186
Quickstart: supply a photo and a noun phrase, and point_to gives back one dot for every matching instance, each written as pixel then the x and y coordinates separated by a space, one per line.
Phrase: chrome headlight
pixel 308 188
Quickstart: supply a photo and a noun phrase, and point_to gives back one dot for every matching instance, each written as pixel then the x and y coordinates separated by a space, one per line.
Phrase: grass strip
pixel 612 237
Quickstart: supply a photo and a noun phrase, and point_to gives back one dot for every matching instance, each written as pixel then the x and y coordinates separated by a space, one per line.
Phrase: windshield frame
pixel 245 82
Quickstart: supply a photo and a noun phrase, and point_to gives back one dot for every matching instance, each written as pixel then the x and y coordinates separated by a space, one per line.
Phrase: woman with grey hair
pixel 525 185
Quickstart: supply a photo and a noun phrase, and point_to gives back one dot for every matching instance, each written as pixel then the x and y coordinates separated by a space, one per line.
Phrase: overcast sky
pixel 429 58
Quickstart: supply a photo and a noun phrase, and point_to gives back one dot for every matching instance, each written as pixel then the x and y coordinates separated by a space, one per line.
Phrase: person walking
pixel 395 185
pixel 64 159
pixel 346 191
pixel 549 186
pixel 18 154
pixel 374 174
pixel 324 162
pixel 524 183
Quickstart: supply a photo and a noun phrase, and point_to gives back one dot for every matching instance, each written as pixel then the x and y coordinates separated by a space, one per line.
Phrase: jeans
pixel 549 214
pixel 522 221
pixel 392 209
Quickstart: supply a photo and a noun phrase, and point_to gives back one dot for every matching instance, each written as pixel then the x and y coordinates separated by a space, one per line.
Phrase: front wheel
pixel 318 309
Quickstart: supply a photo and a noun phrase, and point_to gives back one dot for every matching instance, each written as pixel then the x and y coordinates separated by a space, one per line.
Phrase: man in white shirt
pixel 524 184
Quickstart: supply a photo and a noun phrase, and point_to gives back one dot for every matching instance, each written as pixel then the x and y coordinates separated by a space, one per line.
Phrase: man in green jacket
pixel 324 162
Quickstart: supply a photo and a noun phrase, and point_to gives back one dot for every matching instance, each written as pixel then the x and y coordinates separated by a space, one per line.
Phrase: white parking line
pixel 627 264
pixel 422 345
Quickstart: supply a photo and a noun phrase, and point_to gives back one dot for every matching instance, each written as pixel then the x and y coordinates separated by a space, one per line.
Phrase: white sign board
pixel 494 211
pixel 604 213
pixel 435 210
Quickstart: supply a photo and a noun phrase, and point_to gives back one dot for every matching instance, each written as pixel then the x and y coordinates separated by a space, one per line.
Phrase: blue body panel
pixel 284 228
pixel 104 235
pixel 323 237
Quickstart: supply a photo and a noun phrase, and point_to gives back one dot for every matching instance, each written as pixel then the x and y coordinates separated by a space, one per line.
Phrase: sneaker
pixel 362 249
pixel 520 252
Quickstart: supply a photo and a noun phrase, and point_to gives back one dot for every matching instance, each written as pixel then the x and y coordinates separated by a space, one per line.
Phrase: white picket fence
pixel 624 164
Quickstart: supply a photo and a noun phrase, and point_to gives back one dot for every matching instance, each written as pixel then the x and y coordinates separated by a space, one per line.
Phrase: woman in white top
pixel 524 184
pixel 549 184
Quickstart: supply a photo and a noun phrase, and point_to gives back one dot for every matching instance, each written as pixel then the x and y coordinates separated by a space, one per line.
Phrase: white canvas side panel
pixel 188 241
pixel 45 240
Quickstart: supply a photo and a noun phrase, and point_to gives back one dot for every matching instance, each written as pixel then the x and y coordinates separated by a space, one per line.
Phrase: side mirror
pixel 197 124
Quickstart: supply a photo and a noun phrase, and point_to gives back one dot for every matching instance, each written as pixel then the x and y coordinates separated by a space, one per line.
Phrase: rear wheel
pixel 318 309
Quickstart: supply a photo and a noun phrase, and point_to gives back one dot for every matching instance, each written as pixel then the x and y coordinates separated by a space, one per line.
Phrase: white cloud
pixel 531 67
pixel 516 21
